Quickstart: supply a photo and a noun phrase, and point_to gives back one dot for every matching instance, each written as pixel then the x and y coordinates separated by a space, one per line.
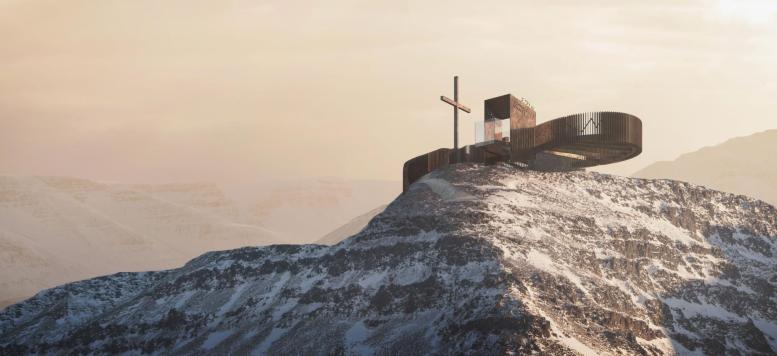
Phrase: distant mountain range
pixel 351 228
pixel 743 165
pixel 303 210
pixel 55 230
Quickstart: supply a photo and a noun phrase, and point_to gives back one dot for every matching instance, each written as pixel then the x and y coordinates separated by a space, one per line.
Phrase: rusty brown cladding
pixel 600 137
pixel 419 166
pixel 594 138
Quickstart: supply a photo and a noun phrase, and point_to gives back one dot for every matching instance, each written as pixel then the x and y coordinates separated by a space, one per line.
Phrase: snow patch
pixel 372 280
pixel 703 309
pixel 544 262
pixel 274 336
pixel 216 338
pixel 283 308
pixel 236 294
pixel 769 328
pixel 445 190
pixel 354 338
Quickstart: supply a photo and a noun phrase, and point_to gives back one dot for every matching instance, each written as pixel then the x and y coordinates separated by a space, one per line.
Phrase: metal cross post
pixel 456 108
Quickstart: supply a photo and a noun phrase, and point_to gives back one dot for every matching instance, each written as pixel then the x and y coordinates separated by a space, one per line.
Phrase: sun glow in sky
pixel 199 90
pixel 754 12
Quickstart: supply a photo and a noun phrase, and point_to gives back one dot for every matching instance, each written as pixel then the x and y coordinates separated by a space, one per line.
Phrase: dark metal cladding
pixel 582 140
pixel 567 143
pixel 423 164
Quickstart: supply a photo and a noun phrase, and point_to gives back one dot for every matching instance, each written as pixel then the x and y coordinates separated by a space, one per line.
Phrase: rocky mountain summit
pixel 471 260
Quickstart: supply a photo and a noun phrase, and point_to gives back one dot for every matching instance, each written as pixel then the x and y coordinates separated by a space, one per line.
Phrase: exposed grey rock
pixel 528 262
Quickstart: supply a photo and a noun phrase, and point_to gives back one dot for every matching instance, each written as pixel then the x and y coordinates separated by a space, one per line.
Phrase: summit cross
pixel 456 107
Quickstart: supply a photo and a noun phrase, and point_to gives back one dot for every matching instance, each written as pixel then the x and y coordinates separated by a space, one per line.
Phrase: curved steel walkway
pixel 570 142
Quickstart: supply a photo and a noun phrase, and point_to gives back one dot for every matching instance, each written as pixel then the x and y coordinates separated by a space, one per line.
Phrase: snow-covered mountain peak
pixel 472 259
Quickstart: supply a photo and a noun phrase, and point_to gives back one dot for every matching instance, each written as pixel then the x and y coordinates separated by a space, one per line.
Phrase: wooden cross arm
pixel 455 104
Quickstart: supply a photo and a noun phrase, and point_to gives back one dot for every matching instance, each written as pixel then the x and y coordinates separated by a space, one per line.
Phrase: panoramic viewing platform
pixel 509 133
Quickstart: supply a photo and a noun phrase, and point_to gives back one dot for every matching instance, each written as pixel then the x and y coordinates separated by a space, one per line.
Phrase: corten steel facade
pixel 571 142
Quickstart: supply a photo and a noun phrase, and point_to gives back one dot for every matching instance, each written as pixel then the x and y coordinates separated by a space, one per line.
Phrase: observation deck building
pixel 511 134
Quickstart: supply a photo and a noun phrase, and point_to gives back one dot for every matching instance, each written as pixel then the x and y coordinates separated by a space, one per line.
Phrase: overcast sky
pixel 159 91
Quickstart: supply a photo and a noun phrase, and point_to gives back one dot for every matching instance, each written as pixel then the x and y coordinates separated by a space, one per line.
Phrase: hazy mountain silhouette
pixel 350 228
pixel 55 230
pixel 743 165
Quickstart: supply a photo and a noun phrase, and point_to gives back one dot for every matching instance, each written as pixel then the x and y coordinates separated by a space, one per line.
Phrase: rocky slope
pixel 472 260
pixel 743 165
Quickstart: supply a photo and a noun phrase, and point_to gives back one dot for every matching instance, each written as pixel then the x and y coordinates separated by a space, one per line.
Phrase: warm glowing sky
pixel 195 90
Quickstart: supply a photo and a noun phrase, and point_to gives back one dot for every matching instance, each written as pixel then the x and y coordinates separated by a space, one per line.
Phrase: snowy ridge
pixel 471 260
